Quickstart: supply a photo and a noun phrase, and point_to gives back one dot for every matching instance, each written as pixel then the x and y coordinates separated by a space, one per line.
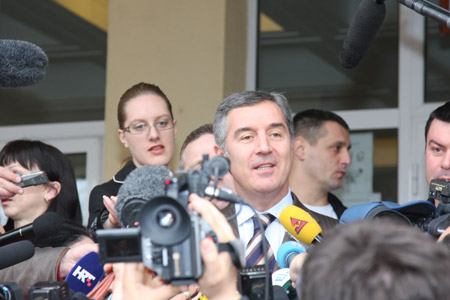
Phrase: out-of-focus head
pixel 322 144
pixel 67 235
pixel 198 142
pixel 437 147
pixel 146 125
pixel 376 259
pixel 59 195
pixel 254 130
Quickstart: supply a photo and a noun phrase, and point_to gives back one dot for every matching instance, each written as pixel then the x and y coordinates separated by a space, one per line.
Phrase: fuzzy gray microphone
pixel 21 64
pixel 139 187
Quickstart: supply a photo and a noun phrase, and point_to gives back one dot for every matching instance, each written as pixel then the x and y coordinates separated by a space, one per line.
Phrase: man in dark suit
pixel 254 130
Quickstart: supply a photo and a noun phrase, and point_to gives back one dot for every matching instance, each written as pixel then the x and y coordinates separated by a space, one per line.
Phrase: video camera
pixel 440 190
pixel 55 290
pixel 168 238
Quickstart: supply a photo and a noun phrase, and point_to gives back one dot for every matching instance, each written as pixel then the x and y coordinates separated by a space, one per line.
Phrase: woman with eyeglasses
pixel 147 129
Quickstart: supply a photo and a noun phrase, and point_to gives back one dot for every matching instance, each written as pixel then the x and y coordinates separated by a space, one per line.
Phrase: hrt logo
pixel 298 224
pixel 83 275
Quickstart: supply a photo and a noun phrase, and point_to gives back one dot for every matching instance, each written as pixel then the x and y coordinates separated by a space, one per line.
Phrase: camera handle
pixel 236 250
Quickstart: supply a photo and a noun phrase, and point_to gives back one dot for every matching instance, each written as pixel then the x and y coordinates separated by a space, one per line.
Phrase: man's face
pixel 326 161
pixel 259 149
pixel 437 151
pixel 193 157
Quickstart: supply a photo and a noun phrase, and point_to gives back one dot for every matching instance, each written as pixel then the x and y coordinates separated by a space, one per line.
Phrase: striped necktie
pixel 254 253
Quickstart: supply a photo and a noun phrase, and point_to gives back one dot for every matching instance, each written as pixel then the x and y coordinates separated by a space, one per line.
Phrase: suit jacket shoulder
pixel 325 222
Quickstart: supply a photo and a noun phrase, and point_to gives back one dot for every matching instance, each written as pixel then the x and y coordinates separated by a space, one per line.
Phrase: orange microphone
pixel 301 225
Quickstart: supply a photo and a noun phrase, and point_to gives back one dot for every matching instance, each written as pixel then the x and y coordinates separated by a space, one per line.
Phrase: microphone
pixel 224 195
pixel 287 252
pixel 139 187
pixel 85 274
pixel 367 21
pixel 301 225
pixel 15 253
pixel 21 63
pixel 282 285
pixel 46 224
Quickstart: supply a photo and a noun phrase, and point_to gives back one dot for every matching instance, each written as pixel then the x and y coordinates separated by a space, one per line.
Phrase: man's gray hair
pixel 243 99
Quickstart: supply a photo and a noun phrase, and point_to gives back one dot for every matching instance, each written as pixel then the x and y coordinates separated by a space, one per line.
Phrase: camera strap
pixel 236 250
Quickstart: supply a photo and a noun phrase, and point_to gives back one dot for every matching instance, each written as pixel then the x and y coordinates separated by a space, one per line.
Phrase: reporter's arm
pixel 43 266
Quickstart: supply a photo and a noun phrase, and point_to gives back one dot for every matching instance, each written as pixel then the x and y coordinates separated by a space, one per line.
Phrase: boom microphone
pixel 139 187
pixel 21 63
pixel 367 21
pixel 300 225
pixel 15 253
pixel 43 225
pixel 428 9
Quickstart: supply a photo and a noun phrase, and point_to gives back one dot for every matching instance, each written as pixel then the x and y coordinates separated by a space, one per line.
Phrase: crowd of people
pixel 276 160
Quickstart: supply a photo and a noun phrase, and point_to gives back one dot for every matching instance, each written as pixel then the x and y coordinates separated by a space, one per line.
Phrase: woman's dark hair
pixel 66 236
pixel 56 165
pixel 136 90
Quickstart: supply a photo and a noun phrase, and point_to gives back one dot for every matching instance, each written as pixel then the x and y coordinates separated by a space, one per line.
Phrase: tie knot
pixel 266 219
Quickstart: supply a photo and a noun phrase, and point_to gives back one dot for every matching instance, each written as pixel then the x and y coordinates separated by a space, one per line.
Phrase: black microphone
pixel 367 21
pixel 139 187
pixel 15 253
pixel 43 225
pixel 21 63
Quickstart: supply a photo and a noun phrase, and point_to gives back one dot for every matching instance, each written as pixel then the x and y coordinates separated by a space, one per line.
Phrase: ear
pixel 300 147
pixel 52 190
pixel 121 135
pixel 218 151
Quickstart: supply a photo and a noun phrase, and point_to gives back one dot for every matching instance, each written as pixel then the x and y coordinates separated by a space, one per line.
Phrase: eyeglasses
pixel 141 128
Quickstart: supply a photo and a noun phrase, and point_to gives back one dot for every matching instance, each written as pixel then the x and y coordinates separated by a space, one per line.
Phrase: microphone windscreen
pixel 367 21
pixel 140 186
pixel 21 63
pixel 85 274
pixel 48 223
pixel 15 253
pixel 287 251
pixel 300 224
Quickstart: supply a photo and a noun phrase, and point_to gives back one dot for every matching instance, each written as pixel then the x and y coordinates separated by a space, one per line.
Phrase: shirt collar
pixel 245 212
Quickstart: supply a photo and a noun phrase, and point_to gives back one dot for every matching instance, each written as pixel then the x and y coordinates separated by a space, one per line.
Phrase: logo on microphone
pixel 298 224
pixel 83 275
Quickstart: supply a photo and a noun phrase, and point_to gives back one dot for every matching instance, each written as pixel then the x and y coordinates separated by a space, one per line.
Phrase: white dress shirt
pixel 274 232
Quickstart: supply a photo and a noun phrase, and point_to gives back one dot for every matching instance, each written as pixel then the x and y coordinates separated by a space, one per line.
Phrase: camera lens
pixel 166 218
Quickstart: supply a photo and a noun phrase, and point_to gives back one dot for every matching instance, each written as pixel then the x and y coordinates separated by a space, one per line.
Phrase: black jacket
pixel 98 213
